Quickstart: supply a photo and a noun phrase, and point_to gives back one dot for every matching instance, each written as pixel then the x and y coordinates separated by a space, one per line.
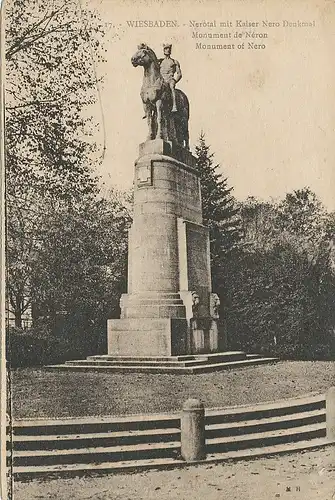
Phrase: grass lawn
pixel 39 393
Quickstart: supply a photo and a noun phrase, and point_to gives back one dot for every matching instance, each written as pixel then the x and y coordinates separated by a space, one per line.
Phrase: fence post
pixel 330 414
pixel 193 431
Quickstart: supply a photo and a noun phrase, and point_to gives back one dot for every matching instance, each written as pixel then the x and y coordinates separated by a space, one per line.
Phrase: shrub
pixel 38 347
pixel 321 352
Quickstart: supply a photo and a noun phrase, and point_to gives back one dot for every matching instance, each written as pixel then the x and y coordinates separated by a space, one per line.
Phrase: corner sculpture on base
pixel 169 317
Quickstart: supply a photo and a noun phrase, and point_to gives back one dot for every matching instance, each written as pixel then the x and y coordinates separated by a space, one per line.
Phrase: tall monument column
pixel 169 308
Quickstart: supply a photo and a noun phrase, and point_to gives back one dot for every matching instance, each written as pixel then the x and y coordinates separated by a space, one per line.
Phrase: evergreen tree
pixel 220 213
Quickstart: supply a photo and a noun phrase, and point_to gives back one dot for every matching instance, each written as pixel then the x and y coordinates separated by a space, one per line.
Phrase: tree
pixel 280 288
pixel 25 220
pixel 81 265
pixel 305 224
pixel 302 213
pixel 258 223
pixel 77 268
pixel 220 213
pixel 51 82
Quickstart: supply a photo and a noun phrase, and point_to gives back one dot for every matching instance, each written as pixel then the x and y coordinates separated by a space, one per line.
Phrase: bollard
pixel 193 431
pixel 330 414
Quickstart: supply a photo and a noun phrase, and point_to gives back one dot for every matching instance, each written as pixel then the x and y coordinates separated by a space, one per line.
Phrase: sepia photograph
pixel 167 206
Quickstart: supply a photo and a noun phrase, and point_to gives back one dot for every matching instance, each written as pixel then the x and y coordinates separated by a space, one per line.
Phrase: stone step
pixel 233 364
pixel 97 424
pixel 143 451
pixel 173 360
pixel 69 470
pixel 119 368
pixel 167 449
pixel 265 424
pixel 91 425
pixel 154 364
pixel 77 440
pixel 281 408
pixel 97 439
pixel 267 438
pixel 227 354
pixel 186 357
pixel 289 447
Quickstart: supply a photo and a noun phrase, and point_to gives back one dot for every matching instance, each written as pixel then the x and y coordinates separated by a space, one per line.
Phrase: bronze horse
pixel 157 101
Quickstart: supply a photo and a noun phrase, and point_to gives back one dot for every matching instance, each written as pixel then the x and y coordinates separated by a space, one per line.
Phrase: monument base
pixel 184 364
pixel 146 336
pixel 162 336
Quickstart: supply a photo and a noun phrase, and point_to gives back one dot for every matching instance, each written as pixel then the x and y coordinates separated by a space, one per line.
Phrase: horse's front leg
pixel 159 119
pixel 148 115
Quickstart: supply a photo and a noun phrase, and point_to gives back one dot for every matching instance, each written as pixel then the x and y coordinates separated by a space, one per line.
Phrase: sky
pixel 268 113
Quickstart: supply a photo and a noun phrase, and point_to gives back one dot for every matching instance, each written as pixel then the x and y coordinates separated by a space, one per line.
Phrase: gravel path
pixel 300 476
pixel 39 393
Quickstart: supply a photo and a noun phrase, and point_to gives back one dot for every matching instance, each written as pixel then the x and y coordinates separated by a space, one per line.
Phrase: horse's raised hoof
pixel 174 110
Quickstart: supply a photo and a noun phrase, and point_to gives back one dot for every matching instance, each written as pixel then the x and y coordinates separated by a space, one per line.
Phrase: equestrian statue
pixel 165 107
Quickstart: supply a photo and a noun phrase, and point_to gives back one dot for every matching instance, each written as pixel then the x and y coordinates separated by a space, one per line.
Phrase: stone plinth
pixel 167 148
pixel 168 261
pixel 147 336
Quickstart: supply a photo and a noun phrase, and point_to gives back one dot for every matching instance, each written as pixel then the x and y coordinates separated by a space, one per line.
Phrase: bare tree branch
pixel 19 45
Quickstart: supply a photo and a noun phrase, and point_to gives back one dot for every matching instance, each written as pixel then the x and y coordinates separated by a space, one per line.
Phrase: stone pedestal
pixel 169 308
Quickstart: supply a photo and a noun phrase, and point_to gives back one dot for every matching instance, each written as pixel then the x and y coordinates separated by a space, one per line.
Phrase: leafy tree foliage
pixel 51 51
pixel 81 266
pixel 280 289
pixel 77 269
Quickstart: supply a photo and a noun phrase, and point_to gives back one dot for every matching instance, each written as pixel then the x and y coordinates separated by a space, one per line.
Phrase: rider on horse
pixel 160 98
pixel 171 72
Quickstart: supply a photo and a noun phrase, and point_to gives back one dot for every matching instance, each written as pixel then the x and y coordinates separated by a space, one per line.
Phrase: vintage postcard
pixel 168 251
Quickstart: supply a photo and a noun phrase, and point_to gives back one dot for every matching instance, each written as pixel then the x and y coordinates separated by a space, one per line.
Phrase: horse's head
pixel 144 56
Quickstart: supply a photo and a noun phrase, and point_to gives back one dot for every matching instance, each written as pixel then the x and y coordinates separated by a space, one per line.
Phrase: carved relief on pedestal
pixel 215 305
pixel 144 175
pixel 195 304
